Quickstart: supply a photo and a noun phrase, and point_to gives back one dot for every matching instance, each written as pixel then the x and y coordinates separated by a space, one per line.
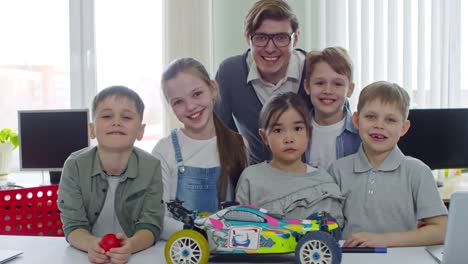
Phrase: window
pixel 243 216
pixel 413 43
pixel 422 45
pixel 34 57
pixel 43 40
pixel 464 52
pixel 129 53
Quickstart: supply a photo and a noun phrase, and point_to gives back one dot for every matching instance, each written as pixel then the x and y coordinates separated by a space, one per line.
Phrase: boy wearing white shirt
pixel 328 82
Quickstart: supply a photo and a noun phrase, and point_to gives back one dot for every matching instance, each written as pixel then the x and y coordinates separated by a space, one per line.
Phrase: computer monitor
pixel 48 137
pixel 438 137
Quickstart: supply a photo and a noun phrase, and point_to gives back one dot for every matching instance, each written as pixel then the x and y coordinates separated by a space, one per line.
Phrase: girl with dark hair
pixel 285 185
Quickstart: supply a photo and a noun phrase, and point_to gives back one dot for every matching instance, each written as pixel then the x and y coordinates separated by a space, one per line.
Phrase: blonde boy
pixel 114 187
pixel 387 192
pixel 328 82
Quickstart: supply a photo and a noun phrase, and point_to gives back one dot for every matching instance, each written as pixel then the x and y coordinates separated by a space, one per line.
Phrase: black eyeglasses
pixel 280 40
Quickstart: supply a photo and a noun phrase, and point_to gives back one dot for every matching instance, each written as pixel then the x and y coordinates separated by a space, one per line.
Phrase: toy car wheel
pixel 318 247
pixel 187 247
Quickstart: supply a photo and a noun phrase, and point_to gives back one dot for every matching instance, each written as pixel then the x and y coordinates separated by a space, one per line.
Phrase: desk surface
pixel 26 178
pixel 56 250
pixel 451 185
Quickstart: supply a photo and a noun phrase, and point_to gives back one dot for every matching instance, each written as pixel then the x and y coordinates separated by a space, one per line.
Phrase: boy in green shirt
pixel 114 187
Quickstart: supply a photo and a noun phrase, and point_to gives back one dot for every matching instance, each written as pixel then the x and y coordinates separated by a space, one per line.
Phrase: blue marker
pixel 364 250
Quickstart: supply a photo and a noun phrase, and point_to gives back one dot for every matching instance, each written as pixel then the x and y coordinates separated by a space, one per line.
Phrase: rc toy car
pixel 246 229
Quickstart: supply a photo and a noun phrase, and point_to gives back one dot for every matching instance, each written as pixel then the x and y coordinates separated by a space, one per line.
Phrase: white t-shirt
pixel 196 153
pixel 107 221
pixel 323 143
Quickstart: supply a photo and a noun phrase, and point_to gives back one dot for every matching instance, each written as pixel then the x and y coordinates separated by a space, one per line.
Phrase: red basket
pixel 30 212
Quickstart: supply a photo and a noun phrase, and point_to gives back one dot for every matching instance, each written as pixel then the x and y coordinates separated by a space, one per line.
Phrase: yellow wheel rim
pixel 187 247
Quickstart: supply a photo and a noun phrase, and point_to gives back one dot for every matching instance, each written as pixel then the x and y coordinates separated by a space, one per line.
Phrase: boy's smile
pixel 378 137
pixel 380 127
pixel 326 100
pixel 116 132
pixel 328 91
pixel 117 124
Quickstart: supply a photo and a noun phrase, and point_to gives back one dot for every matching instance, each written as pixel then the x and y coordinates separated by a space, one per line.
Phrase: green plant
pixel 8 135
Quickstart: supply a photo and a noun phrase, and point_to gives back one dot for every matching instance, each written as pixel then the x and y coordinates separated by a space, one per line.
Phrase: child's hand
pixel 121 254
pixel 365 239
pixel 95 253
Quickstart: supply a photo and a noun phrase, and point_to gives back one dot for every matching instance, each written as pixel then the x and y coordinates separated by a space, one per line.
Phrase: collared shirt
pixel 83 190
pixel 390 198
pixel 290 83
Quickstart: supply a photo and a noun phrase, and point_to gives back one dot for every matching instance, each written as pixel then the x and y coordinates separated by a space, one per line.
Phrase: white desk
pixel 451 185
pixel 56 250
pixel 27 178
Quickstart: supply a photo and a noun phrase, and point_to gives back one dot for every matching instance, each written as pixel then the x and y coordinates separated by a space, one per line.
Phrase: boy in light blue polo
pixel 387 192
pixel 114 187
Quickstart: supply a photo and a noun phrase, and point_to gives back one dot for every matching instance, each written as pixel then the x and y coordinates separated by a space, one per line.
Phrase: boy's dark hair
pixel 387 93
pixel 269 9
pixel 231 149
pixel 278 104
pixel 119 92
pixel 337 57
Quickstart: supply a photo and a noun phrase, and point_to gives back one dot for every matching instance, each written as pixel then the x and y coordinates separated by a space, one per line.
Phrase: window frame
pixel 82 53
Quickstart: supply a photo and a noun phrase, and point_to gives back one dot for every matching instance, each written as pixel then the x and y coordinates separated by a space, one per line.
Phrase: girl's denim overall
pixel 197 187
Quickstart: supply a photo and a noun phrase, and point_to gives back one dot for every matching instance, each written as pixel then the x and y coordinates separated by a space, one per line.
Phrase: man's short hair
pixel 269 9
pixel 119 92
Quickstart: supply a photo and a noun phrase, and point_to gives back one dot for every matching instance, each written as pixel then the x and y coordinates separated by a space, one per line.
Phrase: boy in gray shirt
pixel 387 192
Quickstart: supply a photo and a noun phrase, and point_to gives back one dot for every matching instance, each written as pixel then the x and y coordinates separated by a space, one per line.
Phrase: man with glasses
pixel 271 66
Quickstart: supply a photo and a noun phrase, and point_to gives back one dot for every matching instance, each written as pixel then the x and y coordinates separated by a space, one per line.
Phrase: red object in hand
pixel 109 241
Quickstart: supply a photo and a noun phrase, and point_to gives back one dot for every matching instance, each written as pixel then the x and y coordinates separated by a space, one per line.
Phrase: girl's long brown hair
pixel 231 149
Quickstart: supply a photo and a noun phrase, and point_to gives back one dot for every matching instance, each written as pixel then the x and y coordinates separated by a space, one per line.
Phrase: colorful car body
pixel 246 229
